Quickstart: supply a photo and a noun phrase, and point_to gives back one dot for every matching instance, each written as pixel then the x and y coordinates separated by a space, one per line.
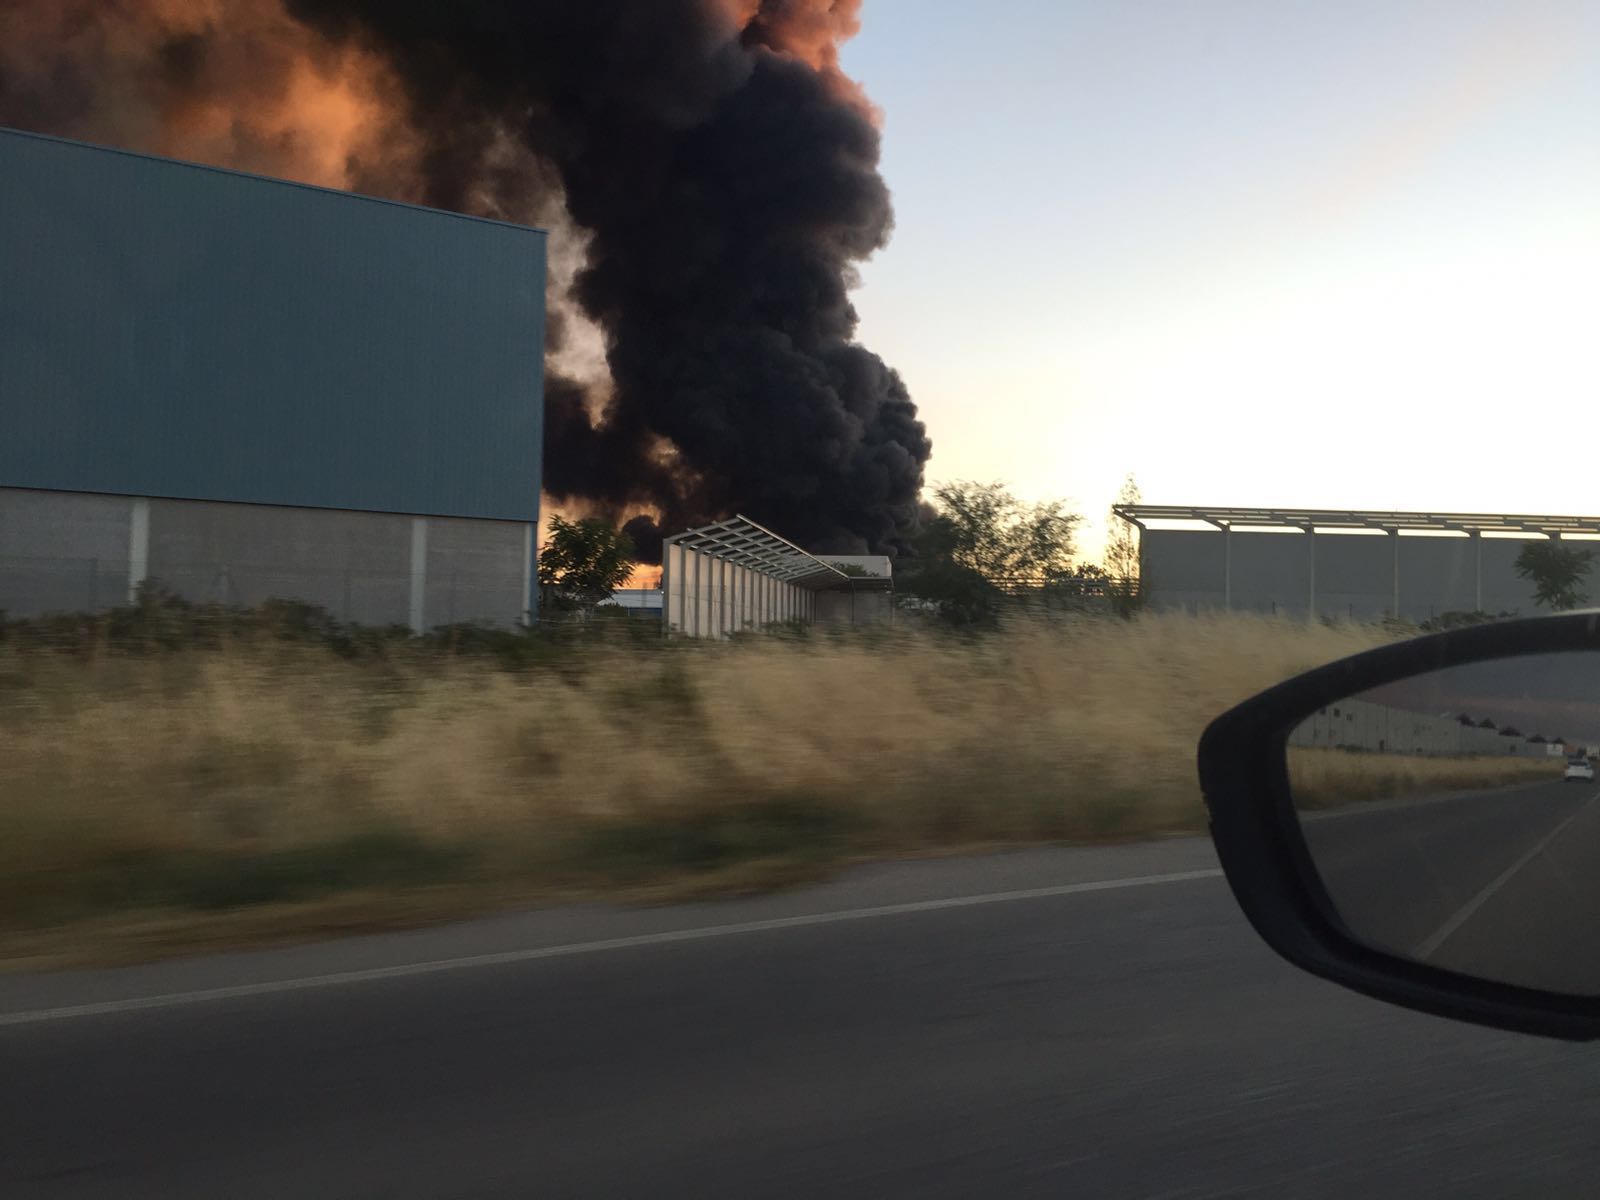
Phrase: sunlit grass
pixel 1321 778
pixel 258 771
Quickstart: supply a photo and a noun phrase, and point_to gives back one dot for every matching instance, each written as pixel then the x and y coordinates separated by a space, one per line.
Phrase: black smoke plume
pixel 721 170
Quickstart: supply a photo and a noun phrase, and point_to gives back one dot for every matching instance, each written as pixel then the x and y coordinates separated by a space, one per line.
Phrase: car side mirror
pixel 1422 822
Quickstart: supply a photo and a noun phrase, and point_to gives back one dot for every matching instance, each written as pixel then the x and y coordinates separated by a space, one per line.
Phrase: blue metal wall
pixel 170 330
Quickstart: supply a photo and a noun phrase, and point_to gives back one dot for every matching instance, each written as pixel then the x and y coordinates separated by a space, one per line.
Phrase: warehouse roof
pixel 1388 522
pixel 274 180
pixel 741 541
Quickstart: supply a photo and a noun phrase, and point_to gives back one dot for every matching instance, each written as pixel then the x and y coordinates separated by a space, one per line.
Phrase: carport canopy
pixel 741 541
pixel 1388 522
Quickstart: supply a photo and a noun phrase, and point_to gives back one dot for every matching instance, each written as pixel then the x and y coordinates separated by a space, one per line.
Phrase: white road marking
pixel 1429 945
pixel 533 954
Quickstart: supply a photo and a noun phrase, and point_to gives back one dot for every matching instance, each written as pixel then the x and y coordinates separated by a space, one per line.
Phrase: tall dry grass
pixel 1073 729
pixel 1333 778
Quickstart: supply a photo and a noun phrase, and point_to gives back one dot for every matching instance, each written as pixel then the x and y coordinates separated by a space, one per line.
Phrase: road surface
pixel 1084 1023
pixel 1502 883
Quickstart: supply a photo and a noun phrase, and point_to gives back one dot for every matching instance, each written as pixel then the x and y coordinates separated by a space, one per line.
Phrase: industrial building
pixel 241 388
pixel 735 575
pixel 1357 565
pixel 642 603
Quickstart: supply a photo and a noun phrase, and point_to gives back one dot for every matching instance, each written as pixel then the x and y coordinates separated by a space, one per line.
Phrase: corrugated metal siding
pixel 171 330
pixel 1271 572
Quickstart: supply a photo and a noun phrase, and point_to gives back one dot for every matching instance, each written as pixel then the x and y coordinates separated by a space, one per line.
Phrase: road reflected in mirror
pixel 1455 817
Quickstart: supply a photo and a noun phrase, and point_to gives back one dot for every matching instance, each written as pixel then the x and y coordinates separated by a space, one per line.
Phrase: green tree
pixel 582 563
pixel 955 594
pixel 977 541
pixel 1124 582
pixel 984 528
pixel 1557 572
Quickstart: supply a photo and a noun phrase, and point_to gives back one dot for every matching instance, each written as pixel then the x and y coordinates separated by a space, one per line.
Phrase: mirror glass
pixel 1454 817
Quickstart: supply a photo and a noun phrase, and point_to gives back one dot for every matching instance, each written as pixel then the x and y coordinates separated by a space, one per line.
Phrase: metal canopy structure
pixel 735 576
pixel 742 542
pixel 1386 522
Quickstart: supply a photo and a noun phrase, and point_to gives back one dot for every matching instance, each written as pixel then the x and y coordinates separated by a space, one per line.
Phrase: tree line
pixel 979 551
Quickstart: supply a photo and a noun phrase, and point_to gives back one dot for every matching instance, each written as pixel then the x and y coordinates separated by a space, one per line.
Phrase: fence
pixel 1092 592
pixel 31 584
pixel 1076 587
pixel 451 592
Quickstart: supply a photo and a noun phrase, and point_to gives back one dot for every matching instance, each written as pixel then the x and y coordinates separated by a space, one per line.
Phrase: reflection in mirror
pixel 1454 817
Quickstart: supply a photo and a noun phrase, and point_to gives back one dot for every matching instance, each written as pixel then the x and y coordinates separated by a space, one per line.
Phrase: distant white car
pixel 1579 768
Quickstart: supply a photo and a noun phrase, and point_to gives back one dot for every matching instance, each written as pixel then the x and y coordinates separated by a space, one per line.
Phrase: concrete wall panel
pixel 1278 568
pixel 356 565
pixel 1437 575
pixel 1503 590
pixel 844 607
pixel 1355 573
pixel 1360 725
pixel 1182 562
pixel 61 552
pixel 474 568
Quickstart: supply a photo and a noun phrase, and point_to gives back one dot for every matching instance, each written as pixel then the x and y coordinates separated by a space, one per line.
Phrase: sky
pixel 1255 252
pixel 1555 695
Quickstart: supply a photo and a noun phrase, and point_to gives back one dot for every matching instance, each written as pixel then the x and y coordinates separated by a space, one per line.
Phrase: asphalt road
pixel 1502 883
pixel 1084 1023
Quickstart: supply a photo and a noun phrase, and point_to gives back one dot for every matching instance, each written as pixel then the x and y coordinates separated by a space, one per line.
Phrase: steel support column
pixel 529 579
pixel 722 598
pixel 1227 567
pixel 138 547
pixel 1311 556
pixel 1395 534
pixel 419 572
pixel 666 585
pixel 1477 539
pixel 694 622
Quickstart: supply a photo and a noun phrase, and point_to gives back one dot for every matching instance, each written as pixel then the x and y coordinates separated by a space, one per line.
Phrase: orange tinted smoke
pixel 235 83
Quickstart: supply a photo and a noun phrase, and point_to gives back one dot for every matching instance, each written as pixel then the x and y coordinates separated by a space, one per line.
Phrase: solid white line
pixel 533 954
pixel 1429 945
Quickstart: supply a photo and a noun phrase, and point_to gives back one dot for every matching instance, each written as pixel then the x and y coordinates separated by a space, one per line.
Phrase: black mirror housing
pixel 1257 832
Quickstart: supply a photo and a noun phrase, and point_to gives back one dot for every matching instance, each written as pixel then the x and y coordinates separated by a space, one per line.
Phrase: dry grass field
pixel 188 785
pixel 1333 778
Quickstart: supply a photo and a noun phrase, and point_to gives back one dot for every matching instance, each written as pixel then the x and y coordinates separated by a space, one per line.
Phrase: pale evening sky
pixel 1258 252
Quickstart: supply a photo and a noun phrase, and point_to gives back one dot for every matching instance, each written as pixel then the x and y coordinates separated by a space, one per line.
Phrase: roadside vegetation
pixel 176 768
pixel 1324 779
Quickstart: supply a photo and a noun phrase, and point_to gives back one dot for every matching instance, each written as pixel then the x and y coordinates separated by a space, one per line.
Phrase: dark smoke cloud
pixel 722 169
